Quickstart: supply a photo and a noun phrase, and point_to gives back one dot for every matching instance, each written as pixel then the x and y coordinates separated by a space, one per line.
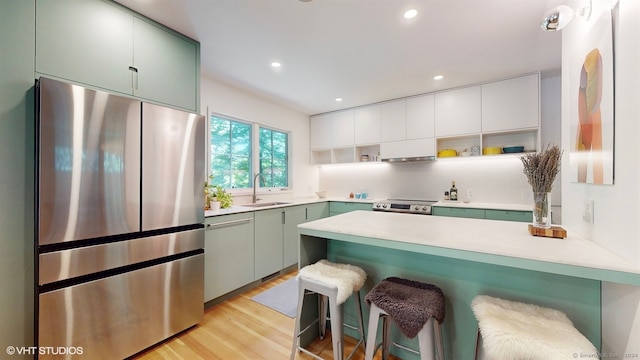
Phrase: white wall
pixel 617 207
pixel 231 101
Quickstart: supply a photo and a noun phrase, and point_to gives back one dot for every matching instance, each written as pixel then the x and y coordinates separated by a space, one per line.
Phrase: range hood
pixel 408 150
pixel 409 159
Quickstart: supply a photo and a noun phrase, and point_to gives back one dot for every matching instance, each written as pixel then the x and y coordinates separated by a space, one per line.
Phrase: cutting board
pixel 554 232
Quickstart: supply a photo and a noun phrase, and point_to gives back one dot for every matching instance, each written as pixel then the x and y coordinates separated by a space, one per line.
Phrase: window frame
pixel 254 155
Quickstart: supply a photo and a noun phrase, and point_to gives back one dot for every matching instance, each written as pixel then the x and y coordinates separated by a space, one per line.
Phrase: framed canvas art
pixel 592 102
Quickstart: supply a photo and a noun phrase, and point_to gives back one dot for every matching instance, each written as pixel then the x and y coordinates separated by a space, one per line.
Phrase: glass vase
pixel 541 210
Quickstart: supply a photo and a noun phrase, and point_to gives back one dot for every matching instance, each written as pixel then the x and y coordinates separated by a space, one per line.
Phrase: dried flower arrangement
pixel 541 168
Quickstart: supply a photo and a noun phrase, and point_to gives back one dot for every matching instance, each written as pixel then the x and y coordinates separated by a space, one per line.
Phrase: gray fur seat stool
pixel 334 283
pixel 416 308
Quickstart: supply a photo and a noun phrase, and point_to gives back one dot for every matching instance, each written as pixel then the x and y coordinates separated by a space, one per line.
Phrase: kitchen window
pixel 232 146
pixel 274 157
pixel 230 153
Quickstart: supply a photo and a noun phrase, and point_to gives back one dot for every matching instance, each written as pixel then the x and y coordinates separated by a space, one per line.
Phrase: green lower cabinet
pixel 228 254
pixel 293 216
pixel 509 215
pixel 339 207
pixel 268 240
pixel 317 211
pixel 458 212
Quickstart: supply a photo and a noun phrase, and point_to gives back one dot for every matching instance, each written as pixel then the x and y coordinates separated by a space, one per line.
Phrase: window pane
pixel 274 160
pixel 230 152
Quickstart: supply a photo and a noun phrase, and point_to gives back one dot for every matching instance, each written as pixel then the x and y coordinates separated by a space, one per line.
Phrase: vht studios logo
pixel 44 350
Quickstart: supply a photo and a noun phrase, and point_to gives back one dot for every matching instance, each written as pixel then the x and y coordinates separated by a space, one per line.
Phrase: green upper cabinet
pixel 104 45
pixel 167 66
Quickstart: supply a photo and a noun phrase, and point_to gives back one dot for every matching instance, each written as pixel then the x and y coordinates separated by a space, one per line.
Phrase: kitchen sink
pixel 267 204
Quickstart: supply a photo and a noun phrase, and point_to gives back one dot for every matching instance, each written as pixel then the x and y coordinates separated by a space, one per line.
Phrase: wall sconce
pixel 558 17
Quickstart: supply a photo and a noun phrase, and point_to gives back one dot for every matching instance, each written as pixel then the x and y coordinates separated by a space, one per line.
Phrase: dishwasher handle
pixel 228 223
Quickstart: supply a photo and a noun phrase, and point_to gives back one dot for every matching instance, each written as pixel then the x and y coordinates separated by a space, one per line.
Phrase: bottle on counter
pixel 453 192
pixel 446 195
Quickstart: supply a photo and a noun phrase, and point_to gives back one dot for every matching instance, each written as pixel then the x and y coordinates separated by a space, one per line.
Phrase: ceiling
pixel 363 51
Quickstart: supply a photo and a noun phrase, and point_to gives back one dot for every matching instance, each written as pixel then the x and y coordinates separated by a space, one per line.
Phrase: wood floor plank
pixel 241 328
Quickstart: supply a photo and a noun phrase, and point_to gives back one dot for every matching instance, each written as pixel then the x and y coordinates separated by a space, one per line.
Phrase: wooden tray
pixel 554 232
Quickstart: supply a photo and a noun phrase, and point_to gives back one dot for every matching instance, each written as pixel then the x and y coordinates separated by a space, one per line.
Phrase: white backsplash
pixel 491 179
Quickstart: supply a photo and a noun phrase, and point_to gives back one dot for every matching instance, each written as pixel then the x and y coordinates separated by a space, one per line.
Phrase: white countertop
pixel 490 241
pixel 477 205
pixel 240 208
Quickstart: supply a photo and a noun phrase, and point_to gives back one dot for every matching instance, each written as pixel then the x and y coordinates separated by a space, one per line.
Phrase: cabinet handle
pixel 134 77
pixel 306 213
pixel 284 218
pixel 227 223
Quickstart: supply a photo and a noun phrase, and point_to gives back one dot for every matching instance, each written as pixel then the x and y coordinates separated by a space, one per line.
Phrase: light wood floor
pixel 240 328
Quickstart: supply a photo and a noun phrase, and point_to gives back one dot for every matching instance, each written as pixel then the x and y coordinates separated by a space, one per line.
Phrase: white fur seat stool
pixel 514 330
pixel 333 283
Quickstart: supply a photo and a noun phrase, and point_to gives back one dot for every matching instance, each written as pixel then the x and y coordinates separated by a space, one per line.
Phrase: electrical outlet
pixel 469 194
pixel 587 211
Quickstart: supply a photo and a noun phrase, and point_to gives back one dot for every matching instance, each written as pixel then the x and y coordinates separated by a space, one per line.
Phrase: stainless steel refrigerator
pixel 120 236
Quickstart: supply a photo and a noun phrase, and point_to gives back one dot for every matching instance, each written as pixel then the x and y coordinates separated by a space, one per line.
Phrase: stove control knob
pixel 424 208
pixel 384 206
pixel 417 207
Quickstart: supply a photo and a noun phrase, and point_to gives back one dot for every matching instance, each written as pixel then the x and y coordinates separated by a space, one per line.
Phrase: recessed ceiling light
pixel 338 99
pixel 438 77
pixel 276 64
pixel 410 13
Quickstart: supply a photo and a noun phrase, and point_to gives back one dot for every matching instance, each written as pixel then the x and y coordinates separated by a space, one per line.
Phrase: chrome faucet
pixel 255 199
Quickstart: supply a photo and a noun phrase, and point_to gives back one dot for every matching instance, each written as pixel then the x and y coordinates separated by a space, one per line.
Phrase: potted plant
pixel 215 196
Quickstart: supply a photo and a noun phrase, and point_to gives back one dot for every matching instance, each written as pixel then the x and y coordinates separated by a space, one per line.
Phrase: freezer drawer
pixel 67 264
pixel 118 316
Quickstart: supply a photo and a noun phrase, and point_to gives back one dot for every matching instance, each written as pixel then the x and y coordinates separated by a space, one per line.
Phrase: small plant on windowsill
pixel 215 193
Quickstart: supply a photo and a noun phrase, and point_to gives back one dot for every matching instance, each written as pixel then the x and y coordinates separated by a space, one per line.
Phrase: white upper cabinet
pixel 342 128
pixel 511 104
pixel 367 125
pixel 320 131
pixel 420 117
pixel 393 116
pixel 458 112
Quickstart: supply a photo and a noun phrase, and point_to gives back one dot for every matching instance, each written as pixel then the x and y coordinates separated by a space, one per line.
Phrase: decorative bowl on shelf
pixel 513 149
pixel 492 150
pixel 447 153
pixel 321 194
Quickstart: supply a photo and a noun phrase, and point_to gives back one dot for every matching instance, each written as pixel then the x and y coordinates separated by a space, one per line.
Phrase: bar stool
pixel 514 330
pixel 334 283
pixel 416 308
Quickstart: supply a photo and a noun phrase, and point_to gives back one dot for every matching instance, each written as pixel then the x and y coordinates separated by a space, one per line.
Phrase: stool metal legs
pixel 431 333
pixel 326 296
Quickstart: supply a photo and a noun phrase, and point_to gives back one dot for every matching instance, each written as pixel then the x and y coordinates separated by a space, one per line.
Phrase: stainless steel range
pixel 404 206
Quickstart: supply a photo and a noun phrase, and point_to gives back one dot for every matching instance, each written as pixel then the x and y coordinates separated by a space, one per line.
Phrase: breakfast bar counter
pixel 468 257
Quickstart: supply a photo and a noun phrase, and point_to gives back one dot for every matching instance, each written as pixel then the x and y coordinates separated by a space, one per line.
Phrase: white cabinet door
pixel 394 120
pixel 320 131
pixel 420 117
pixel 458 112
pixel 367 125
pixel 342 128
pixel 511 104
pixel 407 148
